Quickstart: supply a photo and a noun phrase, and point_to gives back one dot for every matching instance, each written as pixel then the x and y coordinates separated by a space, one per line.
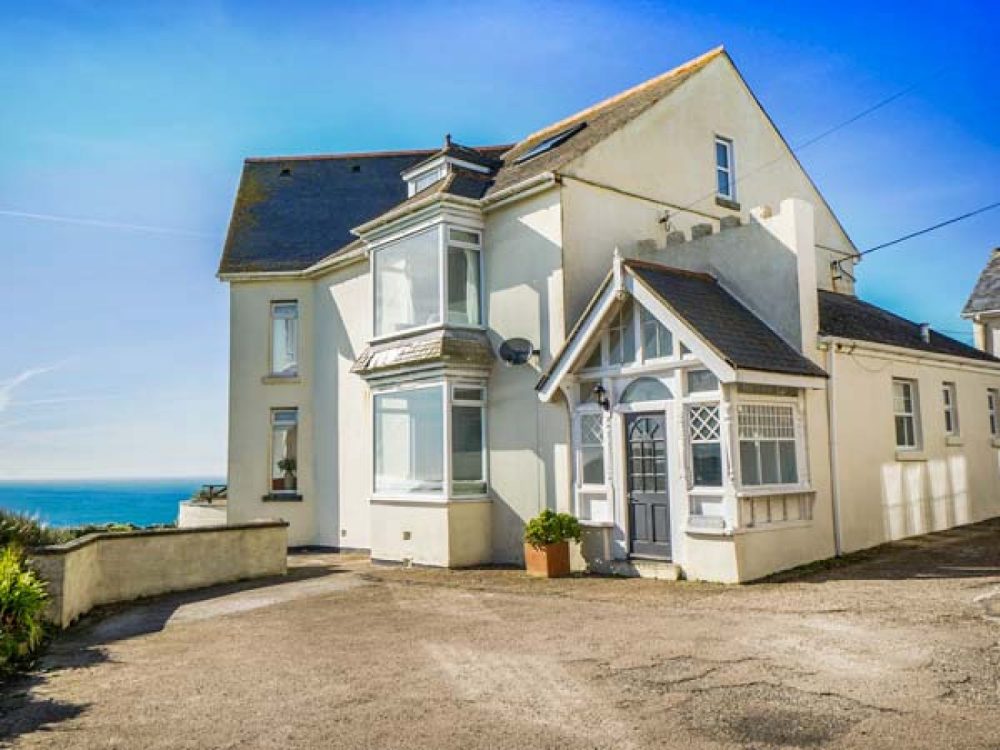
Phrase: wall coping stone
pixel 88 539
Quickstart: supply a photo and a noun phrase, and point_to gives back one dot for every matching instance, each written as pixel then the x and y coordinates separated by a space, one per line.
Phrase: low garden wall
pixel 114 567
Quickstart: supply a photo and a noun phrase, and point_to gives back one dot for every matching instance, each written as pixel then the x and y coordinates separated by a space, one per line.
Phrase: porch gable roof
pixel 735 336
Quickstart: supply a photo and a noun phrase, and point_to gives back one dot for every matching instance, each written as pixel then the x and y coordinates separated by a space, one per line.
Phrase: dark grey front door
pixel 648 501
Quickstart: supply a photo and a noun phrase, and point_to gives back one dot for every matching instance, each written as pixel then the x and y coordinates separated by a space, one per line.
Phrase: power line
pixel 940 224
pixel 820 136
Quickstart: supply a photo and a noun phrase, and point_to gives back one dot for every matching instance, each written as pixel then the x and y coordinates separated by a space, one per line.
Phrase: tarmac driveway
pixel 900 648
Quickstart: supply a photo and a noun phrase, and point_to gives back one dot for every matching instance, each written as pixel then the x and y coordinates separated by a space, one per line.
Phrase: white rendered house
pixel 700 386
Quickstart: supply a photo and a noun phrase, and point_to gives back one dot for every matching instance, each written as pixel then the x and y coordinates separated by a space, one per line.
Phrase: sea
pixel 142 502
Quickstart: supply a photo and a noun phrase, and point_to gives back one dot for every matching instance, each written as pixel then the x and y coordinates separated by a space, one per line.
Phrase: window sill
pixel 282 497
pixel 910 455
pixel 995 442
pixel 280 379
pixel 774 490
pixel 954 440
pixel 586 522
pixel 727 203
pixel 427 499
pixel 708 491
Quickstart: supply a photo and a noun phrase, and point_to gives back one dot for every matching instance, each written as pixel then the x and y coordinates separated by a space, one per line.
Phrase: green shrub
pixel 27 531
pixel 22 601
pixel 549 527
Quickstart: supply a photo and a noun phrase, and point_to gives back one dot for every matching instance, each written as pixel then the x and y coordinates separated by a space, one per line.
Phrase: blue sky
pixel 135 117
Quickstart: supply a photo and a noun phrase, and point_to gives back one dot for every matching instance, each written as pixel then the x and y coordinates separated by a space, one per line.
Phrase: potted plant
pixel 546 543
pixel 287 465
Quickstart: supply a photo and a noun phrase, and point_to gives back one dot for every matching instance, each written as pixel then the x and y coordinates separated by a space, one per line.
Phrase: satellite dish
pixel 516 351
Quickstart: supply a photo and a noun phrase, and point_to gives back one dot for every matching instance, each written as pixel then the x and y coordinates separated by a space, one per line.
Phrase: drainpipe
pixel 831 418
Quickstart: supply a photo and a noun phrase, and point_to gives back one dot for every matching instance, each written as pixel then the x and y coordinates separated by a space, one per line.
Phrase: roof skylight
pixel 550 143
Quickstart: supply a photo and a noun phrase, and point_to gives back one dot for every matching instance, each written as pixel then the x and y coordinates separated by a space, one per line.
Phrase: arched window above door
pixel 645 389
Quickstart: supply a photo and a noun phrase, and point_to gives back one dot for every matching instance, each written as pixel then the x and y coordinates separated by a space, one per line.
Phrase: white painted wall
pixel 529 440
pixel 667 153
pixel 948 483
pixel 251 399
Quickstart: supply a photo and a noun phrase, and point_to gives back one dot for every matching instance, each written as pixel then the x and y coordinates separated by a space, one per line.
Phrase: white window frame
pixel 798 439
pixel 423 180
pixel 274 304
pixel 604 343
pixel 447 493
pixel 590 410
pixel 442 228
pixel 913 414
pixel 992 415
pixel 690 440
pixel 949 398
pixel 729 169
pixel 272 423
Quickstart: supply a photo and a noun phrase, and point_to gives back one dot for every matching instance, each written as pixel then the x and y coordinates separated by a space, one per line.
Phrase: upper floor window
pixel 906 412
pixel 949 396
pixel 992 404
pixel 285 338
pixel 409 289
pixel 725 174
pixel 426 179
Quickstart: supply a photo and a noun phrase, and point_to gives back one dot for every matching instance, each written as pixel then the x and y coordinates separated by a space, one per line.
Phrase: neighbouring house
pixel 429 347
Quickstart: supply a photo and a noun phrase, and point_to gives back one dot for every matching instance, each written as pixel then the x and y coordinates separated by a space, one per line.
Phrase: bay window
pixel 285 339
pixel 768 452
pixel 427 278
pixel 411 453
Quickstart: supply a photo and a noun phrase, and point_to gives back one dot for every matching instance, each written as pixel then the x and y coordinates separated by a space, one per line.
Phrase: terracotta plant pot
pixel 547 560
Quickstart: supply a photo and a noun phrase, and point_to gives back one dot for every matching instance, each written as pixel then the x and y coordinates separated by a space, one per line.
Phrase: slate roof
pixel 848 317
pixel 601 120
pixel 292 212
pixel 985 296
pixel 738 335
pixel 295 211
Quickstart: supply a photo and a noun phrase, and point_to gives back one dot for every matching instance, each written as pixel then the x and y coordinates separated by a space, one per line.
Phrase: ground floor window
pixel 768 453
pixel 468 440
pixel 906 414
pixel 284 450
pixel 410 448
pixel 705 432
pixel 590 449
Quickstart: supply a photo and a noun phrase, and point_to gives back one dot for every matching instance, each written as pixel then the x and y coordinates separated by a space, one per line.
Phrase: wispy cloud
pixel 7 386
pixel 103 224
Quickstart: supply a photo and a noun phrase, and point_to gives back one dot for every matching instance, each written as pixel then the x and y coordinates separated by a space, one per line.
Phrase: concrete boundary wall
pixel 114 567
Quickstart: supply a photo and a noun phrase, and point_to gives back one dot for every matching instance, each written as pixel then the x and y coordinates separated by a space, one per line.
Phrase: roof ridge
pixel 689 66
pixel 369 154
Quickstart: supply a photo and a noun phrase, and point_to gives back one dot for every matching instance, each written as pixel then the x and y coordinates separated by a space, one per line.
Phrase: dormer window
pixel 425 179
pixel 426 278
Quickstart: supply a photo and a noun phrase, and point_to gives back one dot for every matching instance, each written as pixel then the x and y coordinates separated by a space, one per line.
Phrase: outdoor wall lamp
pixel 602 397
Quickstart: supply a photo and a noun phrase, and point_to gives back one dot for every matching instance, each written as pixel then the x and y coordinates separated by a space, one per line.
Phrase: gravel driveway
pixel 899 648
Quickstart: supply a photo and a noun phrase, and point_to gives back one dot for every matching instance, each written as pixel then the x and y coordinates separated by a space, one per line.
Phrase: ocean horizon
pixel 74 502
